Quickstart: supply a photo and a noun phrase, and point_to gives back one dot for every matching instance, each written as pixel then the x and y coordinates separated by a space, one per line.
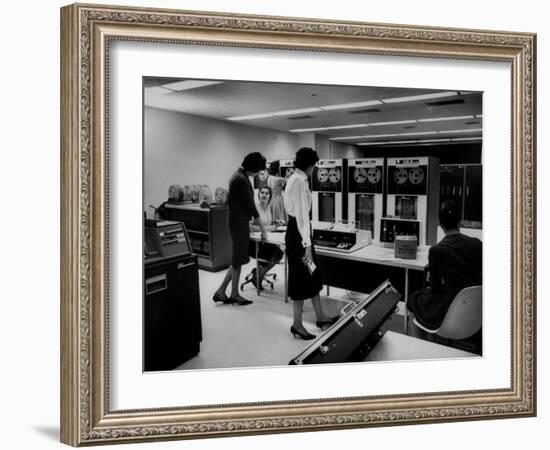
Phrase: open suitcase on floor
pixel 356 332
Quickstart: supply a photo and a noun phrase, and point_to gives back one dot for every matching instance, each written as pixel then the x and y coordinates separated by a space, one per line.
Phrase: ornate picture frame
pixel 86 34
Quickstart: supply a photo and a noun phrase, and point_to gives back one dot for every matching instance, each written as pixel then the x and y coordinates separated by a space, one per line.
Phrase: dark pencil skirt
pixel 240 235
pixel 301 283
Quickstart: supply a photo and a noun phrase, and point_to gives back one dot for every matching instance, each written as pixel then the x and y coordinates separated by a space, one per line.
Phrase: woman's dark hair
pixel 305 157
pixel 253 162
pixel 274 168
pixel 268 189
pixel 449 215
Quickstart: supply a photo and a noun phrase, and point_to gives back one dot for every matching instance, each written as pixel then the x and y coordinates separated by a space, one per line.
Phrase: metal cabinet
pixel 463 184
pixel 208 230
pixel 172 329
pixel 452 184
pixel 473 198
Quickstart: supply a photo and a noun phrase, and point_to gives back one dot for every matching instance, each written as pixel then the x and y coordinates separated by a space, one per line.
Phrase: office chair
pixel 269 278
pixel 462 321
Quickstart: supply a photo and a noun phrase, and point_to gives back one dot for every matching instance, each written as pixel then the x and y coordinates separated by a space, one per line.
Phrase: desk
pixel 341 262
pixel 398 347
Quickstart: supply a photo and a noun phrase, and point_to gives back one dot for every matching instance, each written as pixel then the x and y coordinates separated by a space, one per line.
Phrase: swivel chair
pixel 269 278
pixel 462 321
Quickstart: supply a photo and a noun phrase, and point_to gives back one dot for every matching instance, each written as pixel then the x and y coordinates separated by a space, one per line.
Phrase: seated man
pixel 268 254
pixel 453 263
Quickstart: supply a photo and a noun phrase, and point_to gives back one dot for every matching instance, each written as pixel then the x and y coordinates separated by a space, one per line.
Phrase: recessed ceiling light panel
pixel 415 98
pixel 351 105
pixel 186 85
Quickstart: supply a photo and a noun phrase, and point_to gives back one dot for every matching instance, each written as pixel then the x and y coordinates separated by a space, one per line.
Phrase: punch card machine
pixel 327 186
pixel 412 201
pixel 366 194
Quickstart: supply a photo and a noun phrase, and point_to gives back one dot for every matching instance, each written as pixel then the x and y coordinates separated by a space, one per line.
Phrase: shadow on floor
pixel 50 432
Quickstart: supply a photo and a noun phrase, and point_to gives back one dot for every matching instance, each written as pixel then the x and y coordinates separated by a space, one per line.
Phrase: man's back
pixel 456 262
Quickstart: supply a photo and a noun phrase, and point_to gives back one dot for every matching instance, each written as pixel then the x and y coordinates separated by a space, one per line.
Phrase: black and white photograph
pixel 291 224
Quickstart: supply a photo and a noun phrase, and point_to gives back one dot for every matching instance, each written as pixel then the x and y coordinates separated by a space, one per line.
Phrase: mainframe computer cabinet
pixel 172 326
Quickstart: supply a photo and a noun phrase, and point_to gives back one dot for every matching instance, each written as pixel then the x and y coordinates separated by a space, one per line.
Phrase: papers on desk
pixel 343 250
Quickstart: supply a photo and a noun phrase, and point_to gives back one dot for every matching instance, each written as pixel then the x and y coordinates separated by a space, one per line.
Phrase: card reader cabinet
pixel 208 231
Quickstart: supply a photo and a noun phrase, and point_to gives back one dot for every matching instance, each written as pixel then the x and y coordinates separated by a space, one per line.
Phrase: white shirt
pixel 297 200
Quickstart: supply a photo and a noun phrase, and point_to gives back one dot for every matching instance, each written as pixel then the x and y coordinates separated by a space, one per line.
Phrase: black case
pixel 356 332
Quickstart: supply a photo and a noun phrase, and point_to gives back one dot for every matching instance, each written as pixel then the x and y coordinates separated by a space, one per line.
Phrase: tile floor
pixel 258 334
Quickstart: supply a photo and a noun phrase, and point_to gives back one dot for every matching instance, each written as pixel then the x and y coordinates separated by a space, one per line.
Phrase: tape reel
pixel 195 189
pixel 220 195
pixel 322 175
pixel 187 195
pixel 360 175
pixel 334 175
pixel 400 176
pixel 374 175
pixel 175 193
pixel 205 194
pixel 416 175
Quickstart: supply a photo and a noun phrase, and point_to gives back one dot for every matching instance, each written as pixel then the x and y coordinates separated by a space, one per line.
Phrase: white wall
pixel 185 149
pixel 29 178
pixel 306 140
pixel 322 146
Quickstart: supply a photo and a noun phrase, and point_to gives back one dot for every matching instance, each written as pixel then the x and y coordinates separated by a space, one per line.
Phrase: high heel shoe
pixel 239 301
pixel 221 298
pixel 297 333
pixel 323 323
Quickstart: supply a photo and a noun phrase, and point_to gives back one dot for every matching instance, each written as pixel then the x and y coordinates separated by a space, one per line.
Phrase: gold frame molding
pixel 86 31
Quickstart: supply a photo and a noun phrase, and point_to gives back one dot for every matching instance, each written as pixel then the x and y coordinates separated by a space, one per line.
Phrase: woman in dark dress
pixel 304 278
pixel 241 209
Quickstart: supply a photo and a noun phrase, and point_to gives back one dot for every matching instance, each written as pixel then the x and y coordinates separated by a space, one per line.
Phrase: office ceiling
pixel 364 111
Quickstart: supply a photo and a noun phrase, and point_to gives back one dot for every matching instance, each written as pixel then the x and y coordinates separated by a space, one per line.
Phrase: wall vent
pixel 364 111
pixel 299 117
pixel 457 101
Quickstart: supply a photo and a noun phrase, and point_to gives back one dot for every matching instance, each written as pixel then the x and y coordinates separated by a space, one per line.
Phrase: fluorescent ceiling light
pixel 380 135
pixel 295 111
pixel 396 122
pixel 341 127
pixel 157 90
pixel 442 119
pixel 351 105
pixel 304 130
pixel 436 140
pixel 347 137
pixel 420 141
pixel 479 116
pixel 250 117
pixel 417 133
pixel 414 98
pixel 473 130
pixel 185 85
pixel 467 139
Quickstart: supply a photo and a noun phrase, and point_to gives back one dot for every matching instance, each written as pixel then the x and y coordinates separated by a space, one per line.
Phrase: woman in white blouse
pixel 304 278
